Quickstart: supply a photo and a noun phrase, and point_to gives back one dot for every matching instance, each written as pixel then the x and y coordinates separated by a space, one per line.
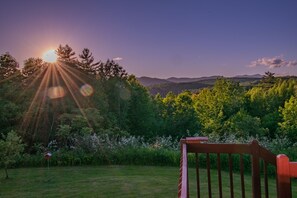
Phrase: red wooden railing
pixel 183 186
pixel 199 145
pixel 285 171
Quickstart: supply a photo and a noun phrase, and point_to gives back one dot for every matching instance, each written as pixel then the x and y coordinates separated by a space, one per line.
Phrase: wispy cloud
pixel 117 59
pixel 274 62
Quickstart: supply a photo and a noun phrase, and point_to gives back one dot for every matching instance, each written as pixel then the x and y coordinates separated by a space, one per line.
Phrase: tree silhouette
pixel 87 62
pixel 268 78
pixel 65 53
pixel 32 66
pixel 8 66
pixel 111 69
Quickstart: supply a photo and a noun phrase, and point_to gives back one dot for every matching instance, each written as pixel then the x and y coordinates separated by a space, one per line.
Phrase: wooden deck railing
pixel 199 145
pixel 285 171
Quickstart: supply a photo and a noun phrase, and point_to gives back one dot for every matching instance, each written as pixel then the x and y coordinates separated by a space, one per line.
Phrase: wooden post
pixel 256 180
pixel 283 176
pixel 184 193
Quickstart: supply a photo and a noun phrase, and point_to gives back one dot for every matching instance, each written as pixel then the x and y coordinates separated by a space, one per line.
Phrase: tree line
pixel 101 98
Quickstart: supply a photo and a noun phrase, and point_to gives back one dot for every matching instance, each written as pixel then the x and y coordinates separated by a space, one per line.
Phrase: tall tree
pixel 87 63
pixel 264 102
pixel 185 116
pixel 288 126
pixel 65 53
pixel 32 66
pixel 111 69
pixel 10 148
pixel 268 79
pixel 141 119
pixel 8 66
pixel 214 106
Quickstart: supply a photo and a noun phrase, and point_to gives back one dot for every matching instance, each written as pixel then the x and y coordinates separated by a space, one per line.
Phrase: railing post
pixel 256 180
pixel 184 186
pixel 283 176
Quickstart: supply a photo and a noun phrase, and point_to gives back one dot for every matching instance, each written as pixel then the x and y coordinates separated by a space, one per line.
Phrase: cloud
pixel 274 62
pixel 117 59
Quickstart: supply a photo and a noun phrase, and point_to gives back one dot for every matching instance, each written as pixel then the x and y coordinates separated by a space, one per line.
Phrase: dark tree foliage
pixel 87 63
pixel 8 66
pixel 32 67
pixel 140 115
pixel 100 97
pixel 111 69
pixel 268 78
pixel 65 53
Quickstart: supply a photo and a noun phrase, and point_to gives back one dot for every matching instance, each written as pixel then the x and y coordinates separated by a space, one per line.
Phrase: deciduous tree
pixel 8 66
pixel 11 147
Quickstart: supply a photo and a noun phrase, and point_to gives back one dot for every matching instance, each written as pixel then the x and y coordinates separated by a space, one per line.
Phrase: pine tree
pixel 110 69
pixel 87 63
pixel 65 53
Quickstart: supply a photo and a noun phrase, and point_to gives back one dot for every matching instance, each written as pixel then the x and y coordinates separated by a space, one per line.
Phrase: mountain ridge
pixel 178 85
pixel 149 81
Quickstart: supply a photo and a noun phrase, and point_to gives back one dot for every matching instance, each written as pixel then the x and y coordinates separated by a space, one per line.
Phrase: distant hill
pixel 249 76
pixel 147 81
pixel 178 85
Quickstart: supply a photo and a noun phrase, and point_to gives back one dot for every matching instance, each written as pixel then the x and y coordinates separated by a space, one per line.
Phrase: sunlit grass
pixel 112 181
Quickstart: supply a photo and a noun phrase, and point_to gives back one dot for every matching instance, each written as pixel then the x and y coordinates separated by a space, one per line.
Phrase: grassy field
pixel 110 181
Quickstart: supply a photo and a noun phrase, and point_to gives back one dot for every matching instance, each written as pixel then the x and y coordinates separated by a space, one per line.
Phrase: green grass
pixel 111 181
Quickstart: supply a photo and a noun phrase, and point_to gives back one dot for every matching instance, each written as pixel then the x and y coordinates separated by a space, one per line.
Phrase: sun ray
pixel 36 103
pixel 56 77
pixel 70 84
pixel 32 79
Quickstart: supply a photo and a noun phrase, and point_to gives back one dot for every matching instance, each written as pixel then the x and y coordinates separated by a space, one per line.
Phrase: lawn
pixel 109 181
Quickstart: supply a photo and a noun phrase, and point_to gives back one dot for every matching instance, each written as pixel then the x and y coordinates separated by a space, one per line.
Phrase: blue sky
pixel 160 38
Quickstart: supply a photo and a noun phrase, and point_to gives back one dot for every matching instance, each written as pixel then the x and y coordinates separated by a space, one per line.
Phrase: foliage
pixel 214 106
pixel 10 114
pixel 289 116
pixel 242 124
pixel 32 67
pixel 65 53
pixel 111 69
pixel 10 148
pixel 8 66
pixel 87 62
pixel 103 109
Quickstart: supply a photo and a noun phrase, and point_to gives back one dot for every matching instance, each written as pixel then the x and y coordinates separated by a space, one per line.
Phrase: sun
pixel 50 56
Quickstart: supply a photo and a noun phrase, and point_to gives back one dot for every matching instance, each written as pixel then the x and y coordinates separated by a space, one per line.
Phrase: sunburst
pixel 50 56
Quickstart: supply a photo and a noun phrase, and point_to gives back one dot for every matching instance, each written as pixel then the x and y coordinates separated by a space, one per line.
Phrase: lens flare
pixel 56 92
pixel 125 93
pixel 86 90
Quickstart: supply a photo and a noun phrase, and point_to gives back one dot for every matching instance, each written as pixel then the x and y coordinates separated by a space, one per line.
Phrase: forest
pixel 82 107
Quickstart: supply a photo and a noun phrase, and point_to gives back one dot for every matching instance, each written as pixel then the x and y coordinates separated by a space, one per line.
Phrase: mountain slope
pixel 178 85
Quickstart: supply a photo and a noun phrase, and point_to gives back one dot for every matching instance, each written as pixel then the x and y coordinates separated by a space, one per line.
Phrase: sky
pixel 159 38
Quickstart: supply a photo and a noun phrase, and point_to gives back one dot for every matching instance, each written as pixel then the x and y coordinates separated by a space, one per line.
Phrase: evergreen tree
pixel 65 53
pixel 111 69
pixel 87 62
